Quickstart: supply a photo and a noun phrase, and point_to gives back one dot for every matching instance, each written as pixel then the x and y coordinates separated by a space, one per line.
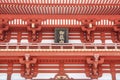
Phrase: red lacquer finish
pixel 36 20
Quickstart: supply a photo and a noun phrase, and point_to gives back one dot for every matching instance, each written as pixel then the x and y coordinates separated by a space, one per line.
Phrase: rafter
pixel 82 9
pixel 63 1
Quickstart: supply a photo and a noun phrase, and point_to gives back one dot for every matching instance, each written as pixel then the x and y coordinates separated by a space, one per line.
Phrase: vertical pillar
pixel 113 71
pixel 19 37
pixel 61 69
pixel 9 76
pixel 61 75
pixel 9 73
pixel 103 37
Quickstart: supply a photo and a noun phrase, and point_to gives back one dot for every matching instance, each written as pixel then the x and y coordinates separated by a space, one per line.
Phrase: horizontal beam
pixel 62 52
pixel 44 17
pixel 79 61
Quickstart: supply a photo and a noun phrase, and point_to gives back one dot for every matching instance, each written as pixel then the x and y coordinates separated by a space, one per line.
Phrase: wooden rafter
pixel 88 8
pixel 63 1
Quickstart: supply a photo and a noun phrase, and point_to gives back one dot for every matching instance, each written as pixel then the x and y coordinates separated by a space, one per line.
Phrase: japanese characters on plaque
pixel 61 35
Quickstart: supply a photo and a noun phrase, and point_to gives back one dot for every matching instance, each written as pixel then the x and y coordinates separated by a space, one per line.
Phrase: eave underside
pixel 65 7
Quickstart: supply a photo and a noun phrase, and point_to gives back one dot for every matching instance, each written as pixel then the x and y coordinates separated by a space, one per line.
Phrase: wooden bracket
pixel 3 28
pixel 34 28
pixel 28 63
pixel 95 62
pixel 117 30
pixel 88 29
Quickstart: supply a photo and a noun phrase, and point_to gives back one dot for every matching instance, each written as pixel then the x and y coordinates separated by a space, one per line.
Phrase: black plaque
pixel 61 35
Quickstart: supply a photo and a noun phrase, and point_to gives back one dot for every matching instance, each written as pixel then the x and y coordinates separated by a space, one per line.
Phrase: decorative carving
pixel 34 28
pixel 3 28
pixel 94 65
pixel 117 30
pixel 88 29
pixel 28 63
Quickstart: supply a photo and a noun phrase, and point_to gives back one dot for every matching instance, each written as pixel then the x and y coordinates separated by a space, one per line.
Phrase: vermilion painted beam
pixel 44 17
pixel 84 52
